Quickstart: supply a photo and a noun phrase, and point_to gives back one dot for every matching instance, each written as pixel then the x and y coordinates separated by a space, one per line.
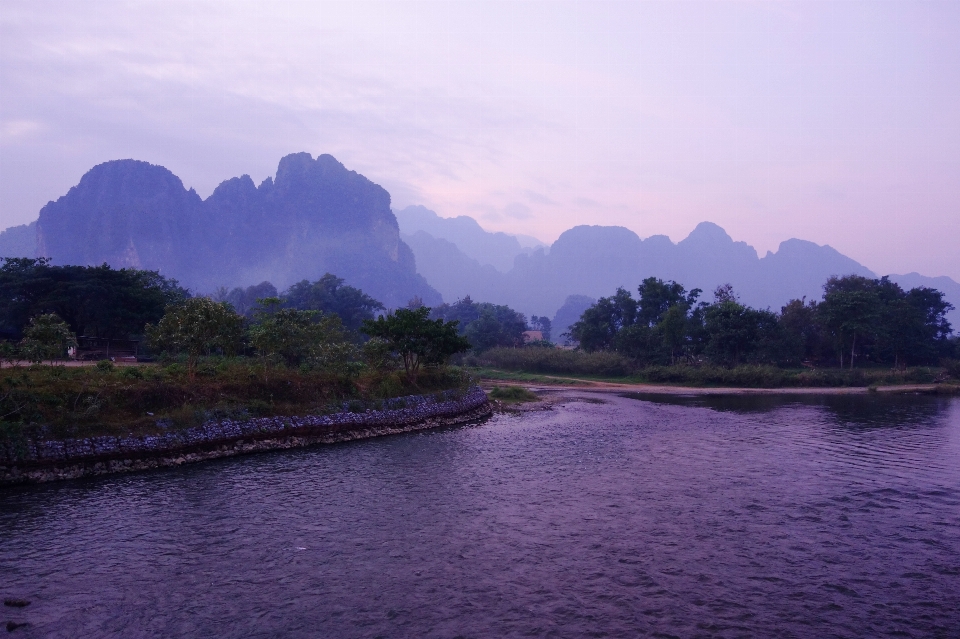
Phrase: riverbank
pixel 29 461
pixel 547 382
pixel 877 383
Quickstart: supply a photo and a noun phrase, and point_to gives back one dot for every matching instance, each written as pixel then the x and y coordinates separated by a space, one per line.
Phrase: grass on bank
pixel 512 394
pixel 542 365
pixel 59 401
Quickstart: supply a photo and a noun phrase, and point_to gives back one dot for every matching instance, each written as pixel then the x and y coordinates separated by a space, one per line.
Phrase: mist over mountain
pixel 593 261
pixel 314 217
pixel 19 241
pixel 496 249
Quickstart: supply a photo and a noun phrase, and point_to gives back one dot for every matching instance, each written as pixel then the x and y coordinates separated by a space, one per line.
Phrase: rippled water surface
pixel 722 517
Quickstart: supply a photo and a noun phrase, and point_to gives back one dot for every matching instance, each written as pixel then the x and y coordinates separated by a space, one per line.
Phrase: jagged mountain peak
pixel 315 217
pixel 708 232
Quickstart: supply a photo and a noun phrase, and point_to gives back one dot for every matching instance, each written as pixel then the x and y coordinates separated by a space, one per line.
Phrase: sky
pixel 832 121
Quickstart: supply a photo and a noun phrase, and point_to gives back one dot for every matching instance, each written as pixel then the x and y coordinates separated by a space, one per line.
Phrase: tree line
pixel 858 321
pixel 323 325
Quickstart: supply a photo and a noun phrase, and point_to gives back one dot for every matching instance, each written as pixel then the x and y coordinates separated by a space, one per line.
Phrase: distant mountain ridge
pixel 593 261
pixel 314 217
pixel 496 249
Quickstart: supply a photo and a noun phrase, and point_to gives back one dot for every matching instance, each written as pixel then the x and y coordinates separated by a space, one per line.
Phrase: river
pixel 605 516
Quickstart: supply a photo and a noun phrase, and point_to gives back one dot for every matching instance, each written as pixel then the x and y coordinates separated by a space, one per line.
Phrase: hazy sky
pixel 837 122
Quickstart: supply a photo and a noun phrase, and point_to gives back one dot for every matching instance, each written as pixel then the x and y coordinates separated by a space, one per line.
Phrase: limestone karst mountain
pixel 496 249
pixel 595 260
pixel 315 217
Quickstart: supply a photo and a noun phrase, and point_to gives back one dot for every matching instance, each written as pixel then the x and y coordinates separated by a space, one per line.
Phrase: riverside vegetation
pixel 862 333
pixel 213 362
pixel 317 345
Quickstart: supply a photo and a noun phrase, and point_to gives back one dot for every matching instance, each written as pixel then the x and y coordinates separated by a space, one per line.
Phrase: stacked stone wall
pixel 27 460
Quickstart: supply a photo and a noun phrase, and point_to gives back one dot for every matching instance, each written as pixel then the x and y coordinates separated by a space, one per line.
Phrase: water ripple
pixel 802 518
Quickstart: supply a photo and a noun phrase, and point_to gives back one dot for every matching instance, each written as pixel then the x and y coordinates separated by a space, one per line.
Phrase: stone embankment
pixel 30 461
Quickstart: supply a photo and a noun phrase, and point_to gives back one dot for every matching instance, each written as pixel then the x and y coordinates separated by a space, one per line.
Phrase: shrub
pixel 104 366
pixel 512 394
pixel 553 360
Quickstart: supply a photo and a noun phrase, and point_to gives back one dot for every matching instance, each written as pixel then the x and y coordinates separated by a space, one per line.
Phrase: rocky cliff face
pixel 126 213
pixel 314 217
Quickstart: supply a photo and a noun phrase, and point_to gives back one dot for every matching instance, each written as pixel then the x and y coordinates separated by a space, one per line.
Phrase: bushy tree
pixel 597 328
pixel 330 295
pixel 485 325
pixel 416 338
pixel 799 321
pixel 46 337
pixel 244 300
pixel 197 326
pixel 298 337
pixel 96 301
pixel 654 329
pixel 658 297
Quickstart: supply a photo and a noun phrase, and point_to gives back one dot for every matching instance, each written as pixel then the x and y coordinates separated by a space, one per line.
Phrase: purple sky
pixel 837 122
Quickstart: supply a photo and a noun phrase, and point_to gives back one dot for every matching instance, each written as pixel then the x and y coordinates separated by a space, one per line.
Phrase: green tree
pixel 800 323
pixel 485 325
pixel 673 329
pixel 46 337
pixel 851 311
pixel 738 333
pixel 598 326
pixel 95 301
pixel 244 300
pixel 298 337
pixel 417 338
pixel 330 295
pixel 197 326
pixel 657 297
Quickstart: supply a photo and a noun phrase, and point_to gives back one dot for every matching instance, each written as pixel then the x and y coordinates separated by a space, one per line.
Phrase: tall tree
pixel 851 311
pixel 97 301
pixel 597 328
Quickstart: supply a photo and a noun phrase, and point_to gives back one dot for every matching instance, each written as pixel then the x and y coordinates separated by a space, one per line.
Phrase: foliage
pixel 654 328
pixel 47 337
pixel 416 338
pixel 871 320
pixel 330 295
pixel 485 325
pixel 197 326
pixel 738 333
pixel 541 324
pixel 599 325
pixel 554 360
pixel 298 337
pixel 244 300
pixel 377 354
pixel 95 301
pixel 512 394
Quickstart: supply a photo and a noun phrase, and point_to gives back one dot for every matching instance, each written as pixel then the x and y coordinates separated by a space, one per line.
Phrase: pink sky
pixel 836 122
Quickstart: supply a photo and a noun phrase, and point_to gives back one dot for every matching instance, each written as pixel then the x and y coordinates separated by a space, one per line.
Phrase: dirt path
pixel 663 389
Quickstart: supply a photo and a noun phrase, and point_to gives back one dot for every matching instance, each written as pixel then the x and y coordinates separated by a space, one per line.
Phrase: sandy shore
pixel 664 389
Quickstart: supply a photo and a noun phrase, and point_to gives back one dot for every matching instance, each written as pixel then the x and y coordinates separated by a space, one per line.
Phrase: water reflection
pixel 855 410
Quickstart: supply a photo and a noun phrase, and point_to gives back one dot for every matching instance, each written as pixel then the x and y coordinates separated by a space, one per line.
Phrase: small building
pixel 97 348
pixel 532 336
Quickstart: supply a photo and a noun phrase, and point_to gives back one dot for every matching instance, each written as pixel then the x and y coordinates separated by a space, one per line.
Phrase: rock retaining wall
pixel 37 461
